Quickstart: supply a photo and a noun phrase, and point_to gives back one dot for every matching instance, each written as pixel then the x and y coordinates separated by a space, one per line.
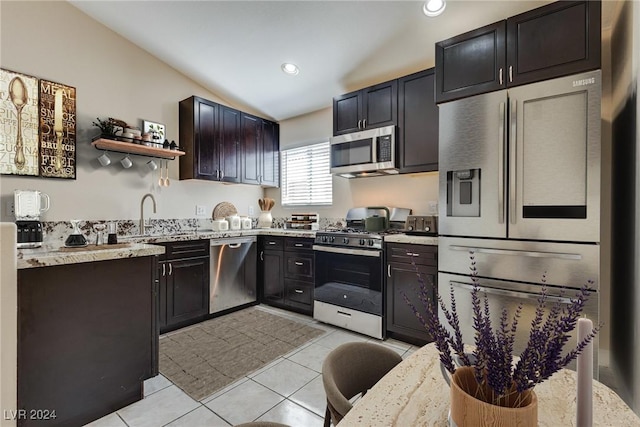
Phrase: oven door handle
pixel 534 254
pixel 347 251
pixel 514 294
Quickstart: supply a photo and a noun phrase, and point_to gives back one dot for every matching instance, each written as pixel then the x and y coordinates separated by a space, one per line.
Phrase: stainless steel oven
pixel 349 282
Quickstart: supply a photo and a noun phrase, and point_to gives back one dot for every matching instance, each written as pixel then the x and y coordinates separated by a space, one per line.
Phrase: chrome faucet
pixel 143 224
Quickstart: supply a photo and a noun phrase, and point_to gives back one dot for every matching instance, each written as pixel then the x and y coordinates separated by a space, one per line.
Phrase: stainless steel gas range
pixel 349 272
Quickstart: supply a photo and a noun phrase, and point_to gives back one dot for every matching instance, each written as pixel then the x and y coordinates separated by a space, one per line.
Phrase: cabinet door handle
pixel 500 76
pixel 359 124
pixel 343 313
pixel 261 255
pixel 388 270
pixel 364 123
pixel 299 291
pixel 271 242
pixel 298 245
pixel 298 263
pixel 164 266
pixel 170 269
pixel 413 254
pixel 510 73
pixel 221 175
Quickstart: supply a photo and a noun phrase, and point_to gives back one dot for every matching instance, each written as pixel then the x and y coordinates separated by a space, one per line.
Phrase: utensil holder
pixel 265 220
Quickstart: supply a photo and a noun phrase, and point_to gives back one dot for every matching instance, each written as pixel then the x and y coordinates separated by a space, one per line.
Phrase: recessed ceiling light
pixel 290 68
pixel 434 7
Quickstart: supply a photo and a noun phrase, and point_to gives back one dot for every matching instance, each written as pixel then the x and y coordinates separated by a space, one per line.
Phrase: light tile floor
pixel 289 390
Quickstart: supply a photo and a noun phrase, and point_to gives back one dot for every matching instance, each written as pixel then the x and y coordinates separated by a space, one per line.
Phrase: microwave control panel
pixel 384 148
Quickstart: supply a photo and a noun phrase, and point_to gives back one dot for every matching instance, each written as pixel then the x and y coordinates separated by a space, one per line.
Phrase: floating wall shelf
pixel 131 148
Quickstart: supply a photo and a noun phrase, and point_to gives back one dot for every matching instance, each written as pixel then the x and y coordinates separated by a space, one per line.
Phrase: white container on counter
pixel 234 222
pixel 245 223
pixel 220 225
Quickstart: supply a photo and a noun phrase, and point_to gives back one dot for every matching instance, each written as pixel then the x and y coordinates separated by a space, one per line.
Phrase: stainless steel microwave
pixel 365 153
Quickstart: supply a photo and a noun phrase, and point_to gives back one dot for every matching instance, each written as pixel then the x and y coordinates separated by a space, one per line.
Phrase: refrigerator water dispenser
pixel 463 193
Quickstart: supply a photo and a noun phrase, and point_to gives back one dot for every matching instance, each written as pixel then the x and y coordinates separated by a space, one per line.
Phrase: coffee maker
pixel 28 205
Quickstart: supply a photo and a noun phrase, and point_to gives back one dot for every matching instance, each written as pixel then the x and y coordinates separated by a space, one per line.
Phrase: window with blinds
pixel 306 179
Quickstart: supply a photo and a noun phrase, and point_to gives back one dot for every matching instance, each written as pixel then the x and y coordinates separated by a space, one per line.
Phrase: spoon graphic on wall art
pixel 18 95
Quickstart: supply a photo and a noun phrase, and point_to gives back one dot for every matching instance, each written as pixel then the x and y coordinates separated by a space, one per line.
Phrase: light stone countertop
pixel 132 246
pixel 414 240
pixel 47 255
pixel 415 394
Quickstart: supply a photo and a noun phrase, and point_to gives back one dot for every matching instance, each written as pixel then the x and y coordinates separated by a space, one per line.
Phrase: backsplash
pixel 56 232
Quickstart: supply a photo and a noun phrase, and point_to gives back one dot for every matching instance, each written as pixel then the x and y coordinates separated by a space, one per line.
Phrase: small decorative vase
pixel 265 219
pixel 466 410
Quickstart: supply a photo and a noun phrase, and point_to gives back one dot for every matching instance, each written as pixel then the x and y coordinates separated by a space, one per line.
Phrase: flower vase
pixel 466 410
pixel 265 219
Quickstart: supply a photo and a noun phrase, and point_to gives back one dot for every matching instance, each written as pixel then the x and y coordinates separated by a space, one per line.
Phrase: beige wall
pixel 413 191
pixel 113 78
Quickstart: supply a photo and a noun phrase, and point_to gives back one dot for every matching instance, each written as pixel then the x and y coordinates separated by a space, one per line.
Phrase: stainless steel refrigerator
pixel 520 188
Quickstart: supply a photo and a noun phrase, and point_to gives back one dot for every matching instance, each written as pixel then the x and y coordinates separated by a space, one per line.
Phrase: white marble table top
pixel 415 394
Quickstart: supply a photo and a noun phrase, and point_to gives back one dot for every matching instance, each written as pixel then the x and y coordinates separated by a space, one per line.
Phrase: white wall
pixel 113 78
pixel 413 191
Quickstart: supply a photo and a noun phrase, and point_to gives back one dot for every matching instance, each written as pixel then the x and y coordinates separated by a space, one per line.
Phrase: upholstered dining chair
pixel 350 369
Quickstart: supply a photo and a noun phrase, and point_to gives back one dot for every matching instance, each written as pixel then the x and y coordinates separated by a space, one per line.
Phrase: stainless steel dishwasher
pixel 233 273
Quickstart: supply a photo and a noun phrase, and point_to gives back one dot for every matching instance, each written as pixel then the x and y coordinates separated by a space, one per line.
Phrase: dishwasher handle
pixel 233 242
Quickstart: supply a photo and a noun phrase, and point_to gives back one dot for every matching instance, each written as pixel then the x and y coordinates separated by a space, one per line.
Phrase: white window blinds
pixel 306 179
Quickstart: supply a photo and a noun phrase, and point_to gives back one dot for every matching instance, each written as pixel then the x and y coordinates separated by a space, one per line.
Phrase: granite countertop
pixel 132 246
pixel 414 393
pixel 137 245
pixel 49 255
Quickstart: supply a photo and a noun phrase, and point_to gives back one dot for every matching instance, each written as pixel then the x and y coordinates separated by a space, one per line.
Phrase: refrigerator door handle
pixel 512 163
pixel 533 254
pixel 500 76
pixel 501 162
pixel 502 292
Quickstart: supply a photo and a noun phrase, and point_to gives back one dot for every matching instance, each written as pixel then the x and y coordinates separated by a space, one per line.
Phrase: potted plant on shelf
pixel 490 387
pixel 108 128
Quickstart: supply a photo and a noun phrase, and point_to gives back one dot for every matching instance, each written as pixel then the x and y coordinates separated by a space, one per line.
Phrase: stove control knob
pixel 332 239
pixel 324 239
pixel 362 241
pixel 427 228
pixel 345 240
pixel 370 242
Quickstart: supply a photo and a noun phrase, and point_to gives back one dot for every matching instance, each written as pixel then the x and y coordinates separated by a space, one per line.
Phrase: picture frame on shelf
pixel 157 131
pixel 57 130
pixel 19 140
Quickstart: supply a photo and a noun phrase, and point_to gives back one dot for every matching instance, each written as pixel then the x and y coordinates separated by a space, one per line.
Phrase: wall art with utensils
pixel 57 130
pixel 37 127
pixel 18 124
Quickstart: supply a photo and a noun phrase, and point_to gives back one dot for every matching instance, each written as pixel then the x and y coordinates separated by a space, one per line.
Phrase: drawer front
pixel 406 253
pixel 298 266
pixel 272 243
pixel 364 323
pixel 188 249
pixel 297 244
pixel 300 292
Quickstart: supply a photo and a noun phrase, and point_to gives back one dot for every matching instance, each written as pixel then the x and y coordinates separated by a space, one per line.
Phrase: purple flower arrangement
pixel 499 380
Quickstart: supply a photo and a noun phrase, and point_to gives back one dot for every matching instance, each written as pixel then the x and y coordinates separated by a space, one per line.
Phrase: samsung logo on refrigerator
pixel 584 82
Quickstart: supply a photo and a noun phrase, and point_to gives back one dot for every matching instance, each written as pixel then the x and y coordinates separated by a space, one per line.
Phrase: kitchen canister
pixel 265 219
pixel 234 222
pixel 245 223
pixel 220 225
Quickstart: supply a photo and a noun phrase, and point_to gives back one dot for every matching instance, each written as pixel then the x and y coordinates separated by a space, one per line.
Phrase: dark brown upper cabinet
pixel 261 147
pixel 368 108
pixel 554 40
pixel 224 144
pixel 417 123
pixel 230 146
pixel 199 139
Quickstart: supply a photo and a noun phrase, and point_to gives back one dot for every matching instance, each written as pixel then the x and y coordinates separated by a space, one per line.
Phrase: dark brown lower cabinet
pixel 401 321
pixel 87 339
pixel 184 284
pixel 287 272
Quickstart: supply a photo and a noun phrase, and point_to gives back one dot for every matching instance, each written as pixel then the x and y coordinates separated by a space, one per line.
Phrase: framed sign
pixel 19 124
pixel 155 129
pixel 57 130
